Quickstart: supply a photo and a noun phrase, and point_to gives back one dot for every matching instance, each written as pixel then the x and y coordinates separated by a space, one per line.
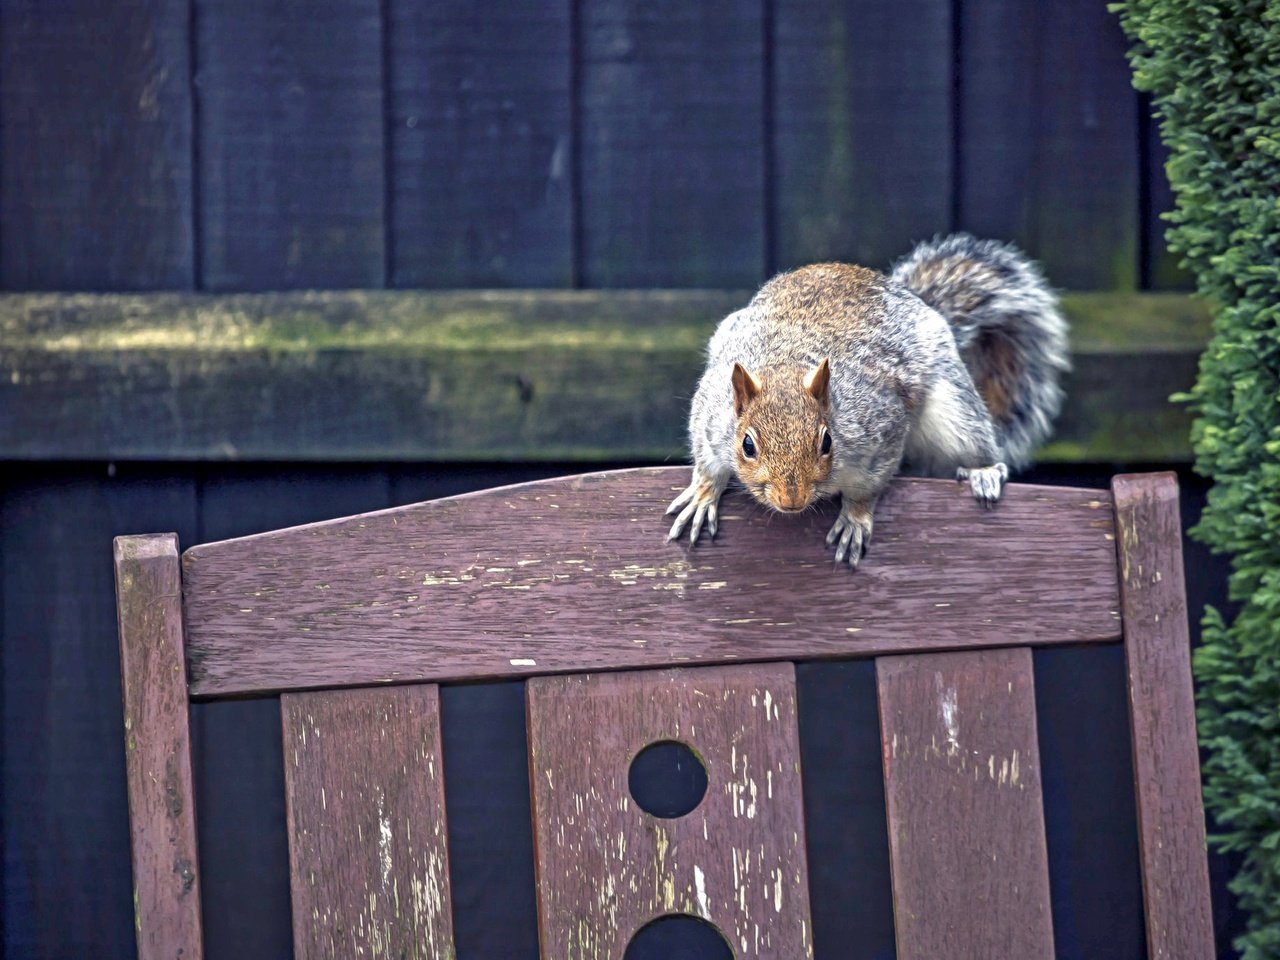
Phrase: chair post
pixel 166 892
pixel 1166 758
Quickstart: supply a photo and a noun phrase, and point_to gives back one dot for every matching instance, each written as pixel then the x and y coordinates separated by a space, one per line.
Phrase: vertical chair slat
pixel 368 854
pixel 605 867
pixel 1166 760
pixel 166 893
pixel 966 821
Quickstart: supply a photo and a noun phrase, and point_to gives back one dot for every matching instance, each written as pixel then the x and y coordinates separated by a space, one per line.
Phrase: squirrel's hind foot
pixel 986 483
pixel 851 533
pixel 699 503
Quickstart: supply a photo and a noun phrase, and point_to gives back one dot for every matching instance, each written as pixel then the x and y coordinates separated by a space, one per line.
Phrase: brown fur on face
pixel 785 412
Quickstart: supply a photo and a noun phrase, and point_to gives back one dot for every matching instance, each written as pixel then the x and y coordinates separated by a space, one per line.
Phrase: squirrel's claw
pixel 986 483
pixel 851 533
pixel 697 503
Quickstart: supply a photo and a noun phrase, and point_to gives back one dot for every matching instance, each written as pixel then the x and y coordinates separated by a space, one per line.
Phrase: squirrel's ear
pixel 745 388
pixel 817 380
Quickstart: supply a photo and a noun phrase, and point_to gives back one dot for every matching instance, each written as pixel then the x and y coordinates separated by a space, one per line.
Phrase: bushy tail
pixel 1007 326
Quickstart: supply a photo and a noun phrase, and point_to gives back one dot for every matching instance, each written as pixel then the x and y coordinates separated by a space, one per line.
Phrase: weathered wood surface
pixel 481 141
pixel 737 860
pixel 1166 756
pixel 291 151
pixel 96 146
pixel 864 134
pixel 368 850
pixel 158 748
pixel 446 376
pixel 508 582
pixel 966 821
pixel 240 786
pixel 670 152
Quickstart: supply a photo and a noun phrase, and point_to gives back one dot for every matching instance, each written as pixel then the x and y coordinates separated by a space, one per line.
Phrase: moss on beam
pixel 507 375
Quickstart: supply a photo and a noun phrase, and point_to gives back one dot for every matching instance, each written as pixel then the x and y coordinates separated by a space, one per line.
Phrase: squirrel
pixel 834 376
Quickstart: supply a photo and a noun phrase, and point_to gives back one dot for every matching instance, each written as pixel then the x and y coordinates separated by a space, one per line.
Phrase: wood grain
pixel 966 820
pixel 368 855
pixel 671 143
pixel 503 376
pixel 95 147
pixel 482 144
pixel 863 126
pixel 291 144
pixel 507 582
pixel 158 748
pixel 1166 756
pixel 605 867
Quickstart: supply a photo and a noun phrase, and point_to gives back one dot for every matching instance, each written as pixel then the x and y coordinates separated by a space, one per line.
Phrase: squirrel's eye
pixel 749 447
pixel 826 442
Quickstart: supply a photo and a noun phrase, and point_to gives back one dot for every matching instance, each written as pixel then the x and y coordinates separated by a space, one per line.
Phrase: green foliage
pixel 1213 69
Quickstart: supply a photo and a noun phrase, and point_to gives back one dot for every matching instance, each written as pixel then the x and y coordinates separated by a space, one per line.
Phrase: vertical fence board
pixel 95 146
pixel 737 860
pixel 966 822
pixel 166 873
pixel 1175 877
pixel 862 121
pixel 291 144
pixel 482 144
pixel 67 889
pixel 239 763
pixel 1049 152
pixel 671 143
pixel 368 853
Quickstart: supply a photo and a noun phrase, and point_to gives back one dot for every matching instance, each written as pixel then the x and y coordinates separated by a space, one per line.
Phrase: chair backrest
pixel 569 583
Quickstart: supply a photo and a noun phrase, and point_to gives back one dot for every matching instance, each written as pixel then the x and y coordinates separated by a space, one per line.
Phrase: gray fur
pixel 1011 299
pixel 905 352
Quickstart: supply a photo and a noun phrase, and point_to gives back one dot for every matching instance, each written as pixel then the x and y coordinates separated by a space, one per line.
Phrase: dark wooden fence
pixel 243 146
pixel 217 145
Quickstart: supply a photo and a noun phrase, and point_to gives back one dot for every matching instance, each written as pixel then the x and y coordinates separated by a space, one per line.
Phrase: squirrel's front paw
pixel 985 482
pixel 851 533
pixel 700 502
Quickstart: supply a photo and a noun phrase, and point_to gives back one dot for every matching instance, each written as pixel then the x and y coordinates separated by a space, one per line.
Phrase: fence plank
pixel 1049 152
pixel 482 144
pixel 737 860
pixel 966 821
pixel 406 594
pixel 671 143
pixel 368 853
pixel 239 760
pixel 863 128
pixel 95 147
pixel 1171 830
pixel 291 144
pixel 166 873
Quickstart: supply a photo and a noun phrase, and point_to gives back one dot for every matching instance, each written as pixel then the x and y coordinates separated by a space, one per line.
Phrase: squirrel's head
pixel 784 447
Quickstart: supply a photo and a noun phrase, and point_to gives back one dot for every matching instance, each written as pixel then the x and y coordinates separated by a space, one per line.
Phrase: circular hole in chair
pixel 667 779
pixel 678 937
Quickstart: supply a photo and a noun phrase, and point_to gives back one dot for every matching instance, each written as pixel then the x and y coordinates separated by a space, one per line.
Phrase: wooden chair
pixel 569 582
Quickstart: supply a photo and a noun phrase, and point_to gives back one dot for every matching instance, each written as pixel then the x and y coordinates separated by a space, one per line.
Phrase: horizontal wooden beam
pixel 511 375
pixel 575 575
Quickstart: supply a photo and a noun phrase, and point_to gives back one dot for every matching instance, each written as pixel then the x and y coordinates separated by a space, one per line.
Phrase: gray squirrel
pixel 834 376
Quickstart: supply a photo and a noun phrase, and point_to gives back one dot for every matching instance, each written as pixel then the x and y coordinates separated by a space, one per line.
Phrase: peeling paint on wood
pixel 962 790
pixel 605 867
pixel 1171 831
pixel 495 584
pixel 368 855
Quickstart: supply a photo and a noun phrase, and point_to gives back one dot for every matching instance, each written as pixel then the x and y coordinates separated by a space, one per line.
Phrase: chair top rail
pixel 574 574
